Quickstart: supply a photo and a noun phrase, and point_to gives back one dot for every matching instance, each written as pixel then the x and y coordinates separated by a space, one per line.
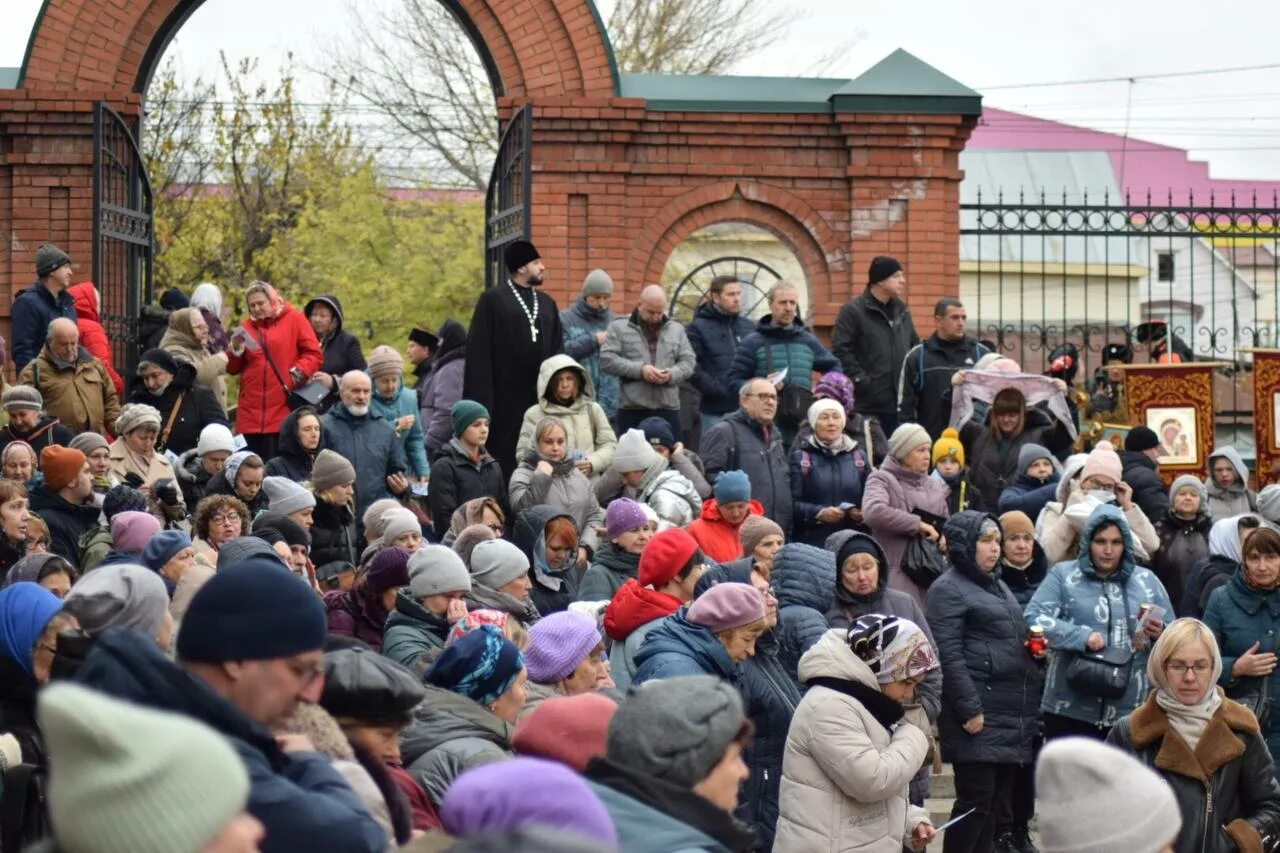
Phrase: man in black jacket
pixel 873 334
pixel 1141 449
pixel 28 422
pixel 924 386
pixel 185 407
pixel 717 329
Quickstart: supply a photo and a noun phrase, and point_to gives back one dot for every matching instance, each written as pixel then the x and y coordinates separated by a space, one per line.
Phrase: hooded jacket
pixel 565 488
pixel 263 403
pixel 740 442
pixel 822 477
pixel 890 500
pixel 441 387
pixel 414 635
pixel 301 800
pixel 93 336
pixel 717 538
pixel 872 339
pixel 82 396
pixel 770 348
pixel 679 647
pixel 715 336
pixel 1183 544
pixel 551 591
pixel 1238 498
pixel 219 485
pixel 1149 491
pixel 581 324
pixel 986 668
pixel 341 349
pixel 372 447
pixel 449 735
pixel 403 403
pixel 193 479
pixel 180 341
pixel 195 404
pixel 610 568
pixel 585 422
pixel 291 459
pixel 33 310
pixel 804 582
pixel 626 352
pixel 669 493
pixel 457 478
pixel 845 775
pixel 633 612
pixel 1074 602
pixel 924 385
pixel 1023 582
pixel 1239 616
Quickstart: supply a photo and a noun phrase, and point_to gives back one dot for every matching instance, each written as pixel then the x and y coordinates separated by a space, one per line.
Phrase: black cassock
pixel 503 361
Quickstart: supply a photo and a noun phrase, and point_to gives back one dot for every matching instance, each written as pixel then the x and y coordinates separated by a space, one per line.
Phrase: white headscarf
pixel 1224 538
pixel 209 297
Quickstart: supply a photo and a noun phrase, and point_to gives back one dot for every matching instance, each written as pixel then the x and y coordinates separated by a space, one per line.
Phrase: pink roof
pixel 1148 166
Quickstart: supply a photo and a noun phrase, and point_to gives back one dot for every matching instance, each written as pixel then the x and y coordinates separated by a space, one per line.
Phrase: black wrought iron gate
pixel 506 209
pixel 123 238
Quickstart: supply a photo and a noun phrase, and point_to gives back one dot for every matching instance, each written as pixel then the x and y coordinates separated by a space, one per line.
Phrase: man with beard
pixel 514 329
pixel 365 440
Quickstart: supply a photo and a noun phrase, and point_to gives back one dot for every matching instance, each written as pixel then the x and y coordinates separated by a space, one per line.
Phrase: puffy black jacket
pixel 738 442
pixel 804 580
pixel 1183 544
pixel 993 463
pixel 199 408
pixel 820 478
pixel 193 479
pixel 342 351
pixel 67 522
pixel 456 479
pixel 924 386
pixel 333 534
pixel 872 339
pixel 1023 583
pixel 528 528
pixel 291 460
pixel 1149 491
pixel 1240 800
pixel 986 669
pixel 714 336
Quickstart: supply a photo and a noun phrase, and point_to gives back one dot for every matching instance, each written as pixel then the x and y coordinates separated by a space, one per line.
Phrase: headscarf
pixel 1189 721
pixel 232 465
pixel 474 619
pixel 19 444
pixel 273 297
pixel 897 652
pixel 472 512
pixel 28 569
pixel 25 611
pixel 207 297
pixel 1224 539
pixel 180 326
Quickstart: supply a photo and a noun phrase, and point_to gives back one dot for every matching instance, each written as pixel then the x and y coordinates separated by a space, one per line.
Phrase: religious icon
pixel 1176 428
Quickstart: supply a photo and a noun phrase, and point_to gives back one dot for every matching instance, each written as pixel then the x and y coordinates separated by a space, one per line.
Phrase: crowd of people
pixel 536 599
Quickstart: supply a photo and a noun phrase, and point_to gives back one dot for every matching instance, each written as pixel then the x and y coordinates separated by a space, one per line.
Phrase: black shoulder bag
pixel 309 394
pixel 1103 674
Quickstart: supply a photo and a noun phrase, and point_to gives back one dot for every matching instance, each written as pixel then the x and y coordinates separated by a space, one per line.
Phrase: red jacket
pixel 634 605
pixel 93 336
pixel 717 538
pixel 263 403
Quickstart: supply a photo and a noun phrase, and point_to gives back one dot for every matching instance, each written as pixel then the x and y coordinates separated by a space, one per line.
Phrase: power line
pixel 1133 77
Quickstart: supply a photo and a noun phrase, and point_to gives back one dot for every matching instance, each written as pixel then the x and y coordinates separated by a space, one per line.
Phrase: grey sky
pixel 1231 120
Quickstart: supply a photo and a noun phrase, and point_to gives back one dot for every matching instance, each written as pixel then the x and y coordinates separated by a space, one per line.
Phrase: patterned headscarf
pixel 896 649
pixel 481 666
pixel 474 619
pixel 233 463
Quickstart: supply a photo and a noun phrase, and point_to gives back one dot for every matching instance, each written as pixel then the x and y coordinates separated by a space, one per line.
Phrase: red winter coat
pixel 716 537
pixel 93 336
pixel 636 605
pixel 263 404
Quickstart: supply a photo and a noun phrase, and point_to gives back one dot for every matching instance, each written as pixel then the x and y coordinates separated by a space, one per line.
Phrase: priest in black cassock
pixel 514 329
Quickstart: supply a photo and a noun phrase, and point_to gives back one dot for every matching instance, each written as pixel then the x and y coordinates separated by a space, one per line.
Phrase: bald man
pixel 76 387
pixel 365 440
pixel 650 354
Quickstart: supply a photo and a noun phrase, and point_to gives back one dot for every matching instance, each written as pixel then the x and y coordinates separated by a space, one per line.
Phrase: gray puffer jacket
pixel 626 351
pixel 451 734
pixel 669 493
pixel 1236 499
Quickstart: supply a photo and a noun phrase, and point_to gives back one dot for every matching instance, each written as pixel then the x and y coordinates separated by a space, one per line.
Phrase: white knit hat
pixel 634 453
pixel 213 438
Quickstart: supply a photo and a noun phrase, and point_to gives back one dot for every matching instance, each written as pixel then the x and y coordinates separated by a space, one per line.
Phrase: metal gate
pixel 1037 273
pixel 123 239
pixel 756 277
pixel 506 209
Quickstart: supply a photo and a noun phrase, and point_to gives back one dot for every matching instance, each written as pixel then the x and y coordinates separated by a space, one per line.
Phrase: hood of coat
pixel 453 337
pixel 530 525
pixel 334 305
pixel 85 296
pixel 835 542
pixel 804 575
pixel 677 635
pixel 711 510
pixel 444 716
pixel 1107 513
pixel 634 605
pixel 1242 472
pixel 962 531
pixel 831 657
pixel 554 365
pixel 290 446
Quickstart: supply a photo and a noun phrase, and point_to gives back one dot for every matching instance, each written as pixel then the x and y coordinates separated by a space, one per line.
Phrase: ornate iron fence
pixel 510 192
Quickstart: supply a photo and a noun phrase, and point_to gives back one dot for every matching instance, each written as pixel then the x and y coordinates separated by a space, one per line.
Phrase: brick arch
pixel 787 216
pixel 531 48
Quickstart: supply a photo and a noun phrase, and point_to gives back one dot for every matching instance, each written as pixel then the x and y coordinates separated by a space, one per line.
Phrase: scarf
pixel 843 443
pixel 1189 721
pixel 983 386
pixel 886 711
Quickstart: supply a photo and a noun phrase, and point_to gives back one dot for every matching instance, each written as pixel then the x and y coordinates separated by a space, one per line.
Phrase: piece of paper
pixel 954 820
pixel 1154 613
pixel 249 340
pixel 777 376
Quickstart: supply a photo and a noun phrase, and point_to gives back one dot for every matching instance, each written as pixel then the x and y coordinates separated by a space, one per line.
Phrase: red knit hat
pixel 664 556
pixel 569 729
pixel 61 465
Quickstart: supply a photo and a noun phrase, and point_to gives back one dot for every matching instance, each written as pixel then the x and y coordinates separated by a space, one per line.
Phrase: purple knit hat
pixel 558 643
pixel 624 514
pixel 838 387
pixel 523 792
pixel 130 531
pixel 389 569
pixel 727 606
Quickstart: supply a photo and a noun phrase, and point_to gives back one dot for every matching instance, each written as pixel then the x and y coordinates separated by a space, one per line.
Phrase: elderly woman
pixel 1207 747
pixel 218 520
pixel 1242 615
pixel 333 532
pixel 548 475
pixel 1226 556
pixel 134 460
pixel 1090 605
pixel 828 470
pixel 566 394
pixel 990 683
pixel 993 447
pixel 852 750
pixel 398 406
pixel 187 339
pixel 863 429
pixel 901 501
pixel 712 636
pixel 1184 535
pixel 18 462
pixel 30 620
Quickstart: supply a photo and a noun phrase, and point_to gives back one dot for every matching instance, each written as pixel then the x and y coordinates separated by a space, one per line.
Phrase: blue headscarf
pixel 25 611
pixel 481 665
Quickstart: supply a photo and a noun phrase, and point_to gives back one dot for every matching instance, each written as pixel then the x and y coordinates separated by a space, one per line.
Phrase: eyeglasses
pixel 45 647
pixel 1179 668
pixel 764 396
pixel 225 519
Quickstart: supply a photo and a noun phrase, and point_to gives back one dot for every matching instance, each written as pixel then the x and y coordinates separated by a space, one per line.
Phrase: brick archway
pixel 540 48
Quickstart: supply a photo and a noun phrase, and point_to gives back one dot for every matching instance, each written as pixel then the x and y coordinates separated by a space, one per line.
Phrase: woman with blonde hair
pixel 1206 746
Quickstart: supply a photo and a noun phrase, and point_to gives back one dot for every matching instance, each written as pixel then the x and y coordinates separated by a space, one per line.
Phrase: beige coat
pixel 82 397
pixel 1060 524
pixel 585 423
pixel 123 463
pixel 180 342
pixel 844 776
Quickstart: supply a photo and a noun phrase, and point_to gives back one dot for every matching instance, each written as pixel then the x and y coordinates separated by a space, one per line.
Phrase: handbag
pixel 308 394
pixel 1104 674
pixel 793 401
pixel 923 562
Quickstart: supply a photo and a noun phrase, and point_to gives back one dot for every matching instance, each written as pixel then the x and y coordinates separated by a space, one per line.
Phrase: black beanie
pixel 519 253
pixel 858 545
pixel 424 338
pixel 882 266
pixel 1141 438
pixel 159 358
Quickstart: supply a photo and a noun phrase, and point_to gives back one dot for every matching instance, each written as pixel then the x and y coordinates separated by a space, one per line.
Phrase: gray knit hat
pixel 633 453
pixel 285 496
pixel 136 415
pixel 373 516
pixel 1129 807
pixel 597 283
pixel 496 563
pixel 120 595
pixel 1186 481
pixel 1268 502
pixel 87 442
pixel 907 438
pixel 396 522
pixel 436 570
pixel 49 258
pixel 331 469
pixel 22 397
pixel 676 729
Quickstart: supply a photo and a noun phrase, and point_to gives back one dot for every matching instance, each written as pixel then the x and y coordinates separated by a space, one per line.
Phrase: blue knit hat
pixel 464 413
pixel 732 487
pixel 481 665
pixel 253 610
pixel 163 547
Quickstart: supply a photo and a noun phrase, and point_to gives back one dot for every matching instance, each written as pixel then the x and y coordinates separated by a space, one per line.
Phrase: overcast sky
pixel 1231 120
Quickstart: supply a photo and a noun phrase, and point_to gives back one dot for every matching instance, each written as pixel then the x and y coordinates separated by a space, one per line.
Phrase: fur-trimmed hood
pixel 1218 745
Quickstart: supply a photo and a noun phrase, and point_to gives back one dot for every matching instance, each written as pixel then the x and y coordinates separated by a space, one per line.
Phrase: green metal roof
pixel 899 83
pixel 9 78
